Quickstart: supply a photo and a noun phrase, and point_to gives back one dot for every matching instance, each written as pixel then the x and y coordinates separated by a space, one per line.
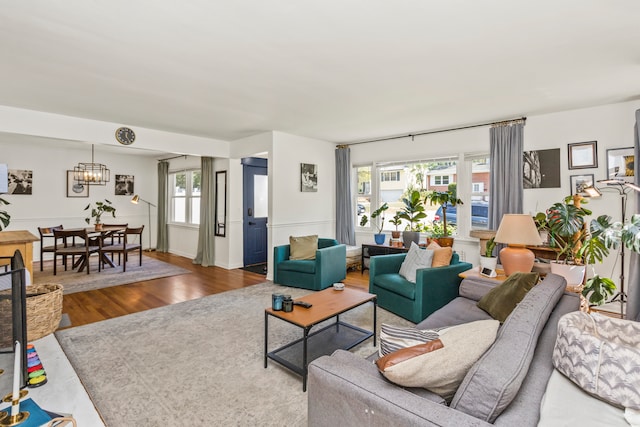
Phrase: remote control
pixel 302 304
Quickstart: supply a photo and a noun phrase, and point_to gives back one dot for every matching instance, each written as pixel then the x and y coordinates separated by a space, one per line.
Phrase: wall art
pixel 308 177
pixel 583 155
pixel 74 188
pixel 541 169
pixel 620 164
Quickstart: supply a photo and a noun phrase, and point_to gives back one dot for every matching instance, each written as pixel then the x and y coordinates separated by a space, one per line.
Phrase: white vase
pixel 574 274
pixel 488 262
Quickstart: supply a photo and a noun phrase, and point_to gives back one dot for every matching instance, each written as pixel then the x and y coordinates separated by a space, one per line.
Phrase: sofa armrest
pixel 341 394
pixel 331 264
pixel 436 287
pixel 280 253
pixel 384 264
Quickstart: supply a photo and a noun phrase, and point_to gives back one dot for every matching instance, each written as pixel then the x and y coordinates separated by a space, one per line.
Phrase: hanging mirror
pixel 221 203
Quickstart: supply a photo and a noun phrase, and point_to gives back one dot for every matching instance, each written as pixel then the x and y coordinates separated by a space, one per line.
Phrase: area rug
pixel 74 281
pixel 200 360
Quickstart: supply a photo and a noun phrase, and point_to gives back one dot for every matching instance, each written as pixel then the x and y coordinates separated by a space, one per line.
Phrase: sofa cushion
pixel 303 247
pixel 457 312
pixel 500 301
pixel 474 288
pixel 441 256
pixel 397 284
pixel 416 258
pixel 494 381
pixel 393 338
pixel 441 369
pixel 300 266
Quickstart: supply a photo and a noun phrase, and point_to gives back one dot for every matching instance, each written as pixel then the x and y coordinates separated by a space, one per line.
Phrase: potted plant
pixel 412 212
pixel 98 210
pixel 5 218
pixel 488 260
pixel 444 199
pixel 379 223
pixel 396 221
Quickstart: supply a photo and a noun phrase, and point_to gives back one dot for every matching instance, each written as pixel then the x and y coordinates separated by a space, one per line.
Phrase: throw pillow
pixel 393 338
pixel 303 247
pixel 416 258
pixel 440 369
pixel 441 256
pixel 500 301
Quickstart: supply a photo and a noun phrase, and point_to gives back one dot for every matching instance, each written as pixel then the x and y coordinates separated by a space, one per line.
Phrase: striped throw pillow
pixel 393 338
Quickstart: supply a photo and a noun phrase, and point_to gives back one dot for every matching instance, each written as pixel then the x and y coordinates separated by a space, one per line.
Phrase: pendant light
pixel 91 173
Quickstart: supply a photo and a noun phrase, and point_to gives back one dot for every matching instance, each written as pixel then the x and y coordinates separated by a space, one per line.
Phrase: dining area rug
pixel 74 281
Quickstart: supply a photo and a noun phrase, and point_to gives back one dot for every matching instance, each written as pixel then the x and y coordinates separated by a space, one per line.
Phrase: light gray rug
pixel 74 281
pixel 199 360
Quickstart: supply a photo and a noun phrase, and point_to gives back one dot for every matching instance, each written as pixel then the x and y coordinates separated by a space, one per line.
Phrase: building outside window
pixel 363 196
pixel 185 196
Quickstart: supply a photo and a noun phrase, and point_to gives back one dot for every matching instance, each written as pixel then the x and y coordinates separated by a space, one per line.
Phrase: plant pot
pixel 379 238
pixel 99 227
pixel 410 236
pixel 573 273
pixel 488 262
pixel 395 234
pixel 445 242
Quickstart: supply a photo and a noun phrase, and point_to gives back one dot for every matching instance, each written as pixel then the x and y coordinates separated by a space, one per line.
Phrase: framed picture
pixel 583 155
pixel 308 177
pixel 620 164
pixel 20 181
pixel 75 189
pixel 580 182
pixel 541 169
pixel 124 185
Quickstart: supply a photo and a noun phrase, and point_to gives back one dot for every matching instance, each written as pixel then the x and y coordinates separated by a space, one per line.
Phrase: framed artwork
pixel 620 164
pixel 124 185
pixel 583 155
pixel 541 169
pixel 74 188
pixel 20 181
pixel 580 182
pixel 308 177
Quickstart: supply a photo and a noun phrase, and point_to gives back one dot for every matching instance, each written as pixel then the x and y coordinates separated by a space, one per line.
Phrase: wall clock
pixel 125 136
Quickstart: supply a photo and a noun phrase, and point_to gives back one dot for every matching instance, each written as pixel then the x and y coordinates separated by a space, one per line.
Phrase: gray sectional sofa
pixel 503 388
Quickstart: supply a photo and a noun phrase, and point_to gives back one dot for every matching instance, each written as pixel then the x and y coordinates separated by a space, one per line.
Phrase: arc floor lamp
pixel 135 201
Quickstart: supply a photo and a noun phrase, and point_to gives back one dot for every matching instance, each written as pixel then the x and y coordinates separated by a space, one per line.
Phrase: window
pixel 363 198
pixel 185 196
pixel 478 187
pixel 390 176
pixel 480 196
pixel 440 180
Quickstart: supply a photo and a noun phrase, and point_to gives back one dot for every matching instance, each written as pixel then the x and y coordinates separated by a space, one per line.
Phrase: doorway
pixel 255 210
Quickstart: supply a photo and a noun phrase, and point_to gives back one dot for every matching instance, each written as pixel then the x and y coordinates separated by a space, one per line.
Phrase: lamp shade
pixel 518 229
pixel 135 199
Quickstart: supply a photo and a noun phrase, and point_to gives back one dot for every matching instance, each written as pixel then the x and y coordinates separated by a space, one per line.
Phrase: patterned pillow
pixel 393 338
pixel 601 355
pixel 416 258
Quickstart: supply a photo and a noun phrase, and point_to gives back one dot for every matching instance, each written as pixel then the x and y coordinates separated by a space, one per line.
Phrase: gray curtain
pixel 162 244
pixel 506 145
pixel 206 241
pixel 345 229
pixel 633 302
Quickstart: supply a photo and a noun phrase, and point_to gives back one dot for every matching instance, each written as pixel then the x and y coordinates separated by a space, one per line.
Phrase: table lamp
pixel 517 231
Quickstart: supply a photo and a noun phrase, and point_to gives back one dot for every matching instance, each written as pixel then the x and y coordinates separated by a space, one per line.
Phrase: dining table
pixel 102 233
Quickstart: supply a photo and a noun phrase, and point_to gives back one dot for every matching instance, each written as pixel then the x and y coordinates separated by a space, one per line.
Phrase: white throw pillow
pixel 416 258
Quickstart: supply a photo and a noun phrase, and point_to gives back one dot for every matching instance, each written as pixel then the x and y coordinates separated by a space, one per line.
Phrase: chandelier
pixel 91 173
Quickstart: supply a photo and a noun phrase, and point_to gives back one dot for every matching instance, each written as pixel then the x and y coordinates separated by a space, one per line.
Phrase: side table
pixel 371 249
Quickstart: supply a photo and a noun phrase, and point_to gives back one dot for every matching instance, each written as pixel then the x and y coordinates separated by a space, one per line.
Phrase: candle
pixel 15 409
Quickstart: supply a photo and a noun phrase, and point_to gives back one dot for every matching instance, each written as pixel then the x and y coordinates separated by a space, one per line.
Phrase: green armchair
pixel 330 266
pixel 434 287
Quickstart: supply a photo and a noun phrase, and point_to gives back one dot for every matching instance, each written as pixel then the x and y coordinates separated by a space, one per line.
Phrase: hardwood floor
pixel 101 304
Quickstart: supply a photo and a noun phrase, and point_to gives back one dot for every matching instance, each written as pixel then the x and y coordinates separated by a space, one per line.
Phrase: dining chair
pixel 82 246
pixel 114 237
pixel 47 233
pixel 129 243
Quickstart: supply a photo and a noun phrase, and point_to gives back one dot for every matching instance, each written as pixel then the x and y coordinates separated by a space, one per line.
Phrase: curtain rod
pixel 412 135
pixel 174 157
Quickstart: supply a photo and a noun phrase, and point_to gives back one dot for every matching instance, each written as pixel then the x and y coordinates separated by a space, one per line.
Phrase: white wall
pixel 48 205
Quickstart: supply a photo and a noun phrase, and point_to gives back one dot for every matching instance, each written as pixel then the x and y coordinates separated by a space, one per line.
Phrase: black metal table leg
pixel 305 368
pixel 266 335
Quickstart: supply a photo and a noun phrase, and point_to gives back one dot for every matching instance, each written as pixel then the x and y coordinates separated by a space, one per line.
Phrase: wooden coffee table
pixel 326 304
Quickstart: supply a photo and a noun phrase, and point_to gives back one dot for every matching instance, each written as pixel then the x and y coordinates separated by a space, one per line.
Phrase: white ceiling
pixel 338 70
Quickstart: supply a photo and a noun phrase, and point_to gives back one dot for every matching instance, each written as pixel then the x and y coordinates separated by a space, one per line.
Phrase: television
pixel 13 322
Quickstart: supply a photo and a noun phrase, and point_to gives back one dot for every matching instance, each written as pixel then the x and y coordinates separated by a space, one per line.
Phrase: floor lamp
pixel 135 201
pixel 623 189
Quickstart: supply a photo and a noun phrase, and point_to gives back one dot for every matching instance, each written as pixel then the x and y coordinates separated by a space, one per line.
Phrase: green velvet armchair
pixel 434 287
pixel 330 266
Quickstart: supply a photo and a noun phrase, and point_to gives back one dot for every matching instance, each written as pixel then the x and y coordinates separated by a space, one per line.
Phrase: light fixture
pixel 135 201
pixel 517 231
pixel 91 173
pixel 592 192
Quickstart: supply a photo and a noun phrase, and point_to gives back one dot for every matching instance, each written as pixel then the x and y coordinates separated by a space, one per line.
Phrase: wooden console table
pixel 21 240
pixel 370 249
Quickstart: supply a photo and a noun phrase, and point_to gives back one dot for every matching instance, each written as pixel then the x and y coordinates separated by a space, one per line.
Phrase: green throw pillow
pixel 500 301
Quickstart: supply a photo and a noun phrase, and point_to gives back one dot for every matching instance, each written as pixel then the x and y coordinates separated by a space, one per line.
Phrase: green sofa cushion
pixel 300 266
pixel 397 284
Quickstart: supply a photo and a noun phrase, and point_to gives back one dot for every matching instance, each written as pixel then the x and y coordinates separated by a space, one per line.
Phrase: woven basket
pixel 44 311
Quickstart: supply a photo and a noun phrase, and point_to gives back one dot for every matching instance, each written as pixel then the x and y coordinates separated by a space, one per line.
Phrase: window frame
pixel 189 197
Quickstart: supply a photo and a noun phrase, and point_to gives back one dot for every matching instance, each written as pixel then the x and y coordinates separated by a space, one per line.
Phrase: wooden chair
pixel 81 246
pixel 114 237
pixel 46 233
pixel 129 243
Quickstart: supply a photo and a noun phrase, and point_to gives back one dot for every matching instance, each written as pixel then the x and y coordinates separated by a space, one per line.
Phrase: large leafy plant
pixel 444 199
pixel 378 213
pixel 413 210
pixel 100 209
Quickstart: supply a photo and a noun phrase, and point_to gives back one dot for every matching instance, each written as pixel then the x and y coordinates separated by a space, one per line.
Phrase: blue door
pixel 255 205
